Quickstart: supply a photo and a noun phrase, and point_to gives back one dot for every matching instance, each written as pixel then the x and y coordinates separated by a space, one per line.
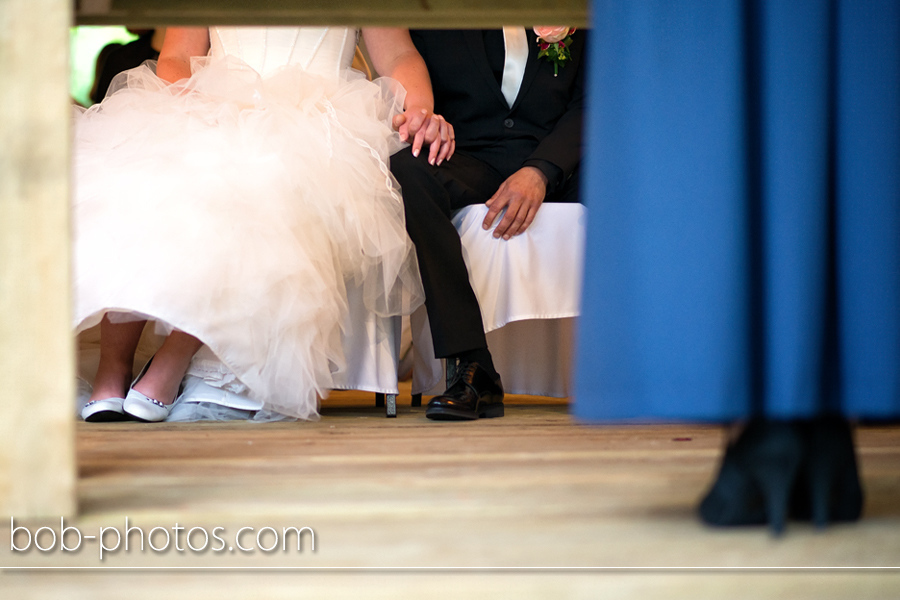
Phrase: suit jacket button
pixel 508 123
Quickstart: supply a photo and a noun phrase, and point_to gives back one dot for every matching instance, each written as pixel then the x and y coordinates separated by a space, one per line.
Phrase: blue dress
pixel 743 193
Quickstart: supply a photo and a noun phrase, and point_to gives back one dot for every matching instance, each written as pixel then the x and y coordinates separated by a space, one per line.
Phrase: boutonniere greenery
pixel 554 43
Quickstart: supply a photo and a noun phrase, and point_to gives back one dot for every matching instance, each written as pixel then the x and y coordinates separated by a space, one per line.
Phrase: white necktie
pixel 516 44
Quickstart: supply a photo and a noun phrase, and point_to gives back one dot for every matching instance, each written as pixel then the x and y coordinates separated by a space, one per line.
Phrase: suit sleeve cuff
pixel 550 171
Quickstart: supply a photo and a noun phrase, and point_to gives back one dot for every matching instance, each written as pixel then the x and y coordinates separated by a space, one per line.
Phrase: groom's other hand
pixel 521 195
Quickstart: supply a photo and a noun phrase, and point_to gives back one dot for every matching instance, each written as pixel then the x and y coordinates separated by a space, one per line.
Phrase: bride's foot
pixel 144 408
pixel 108 394
pixel 105 410
pixel 154 391
pixel 118 341
pixel 159 380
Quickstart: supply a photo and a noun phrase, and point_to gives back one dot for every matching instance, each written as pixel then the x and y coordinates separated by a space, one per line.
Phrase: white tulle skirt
pixel 236 209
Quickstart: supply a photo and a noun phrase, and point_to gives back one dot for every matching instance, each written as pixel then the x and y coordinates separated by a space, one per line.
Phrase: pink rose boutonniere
pixel 554 43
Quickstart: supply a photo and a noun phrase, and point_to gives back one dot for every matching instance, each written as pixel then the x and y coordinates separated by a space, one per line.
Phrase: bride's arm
pixel 180 45
pixel 394 55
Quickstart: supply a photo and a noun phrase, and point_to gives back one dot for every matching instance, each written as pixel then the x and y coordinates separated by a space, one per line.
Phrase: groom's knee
pixel 422 193
pixel 406 167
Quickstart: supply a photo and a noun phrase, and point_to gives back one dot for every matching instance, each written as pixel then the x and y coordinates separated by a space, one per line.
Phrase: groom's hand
pixel 420 127
pixel 522 195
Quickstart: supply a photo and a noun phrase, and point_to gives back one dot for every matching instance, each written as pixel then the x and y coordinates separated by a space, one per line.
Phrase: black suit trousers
pixel 430 196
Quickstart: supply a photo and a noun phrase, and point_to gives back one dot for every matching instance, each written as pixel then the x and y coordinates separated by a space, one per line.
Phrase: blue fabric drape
pixel 743 189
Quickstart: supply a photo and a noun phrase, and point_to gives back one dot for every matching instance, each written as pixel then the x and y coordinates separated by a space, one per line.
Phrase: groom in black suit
pixel 518 144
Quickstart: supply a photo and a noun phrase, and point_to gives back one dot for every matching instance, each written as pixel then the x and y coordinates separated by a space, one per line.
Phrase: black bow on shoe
pixel 472 394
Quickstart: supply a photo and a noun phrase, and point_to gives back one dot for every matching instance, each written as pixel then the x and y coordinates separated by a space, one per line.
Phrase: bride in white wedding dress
pixel 229 196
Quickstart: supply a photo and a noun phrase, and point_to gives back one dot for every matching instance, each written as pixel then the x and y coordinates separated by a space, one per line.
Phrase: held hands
pixel 419 126
pixel 522 195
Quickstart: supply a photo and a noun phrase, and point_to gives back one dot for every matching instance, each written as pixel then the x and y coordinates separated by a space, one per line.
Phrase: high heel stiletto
pixel 757 475
pixel 778 452
pixel 830 489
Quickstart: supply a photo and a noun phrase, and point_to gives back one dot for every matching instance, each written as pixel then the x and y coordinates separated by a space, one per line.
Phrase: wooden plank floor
pixel 406 498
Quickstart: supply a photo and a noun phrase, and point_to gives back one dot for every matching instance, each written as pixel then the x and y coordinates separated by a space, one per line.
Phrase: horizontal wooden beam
pixel 407 13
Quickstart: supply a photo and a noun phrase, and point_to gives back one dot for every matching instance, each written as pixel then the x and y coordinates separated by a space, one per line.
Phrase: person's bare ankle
pixel 111 381
pixel 158 385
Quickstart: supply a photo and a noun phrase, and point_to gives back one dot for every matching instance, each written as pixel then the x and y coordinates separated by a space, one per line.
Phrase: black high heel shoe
pixel 757 476
pixel 830 489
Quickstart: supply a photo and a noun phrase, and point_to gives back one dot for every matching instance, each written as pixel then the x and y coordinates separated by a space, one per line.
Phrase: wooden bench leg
pixel 417 399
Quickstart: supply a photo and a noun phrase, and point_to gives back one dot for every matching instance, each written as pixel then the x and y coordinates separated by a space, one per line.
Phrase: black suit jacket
pixel 544 123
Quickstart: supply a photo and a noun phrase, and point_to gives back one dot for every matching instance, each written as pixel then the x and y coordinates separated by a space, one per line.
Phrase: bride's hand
pixel 441 139
pixel 425 127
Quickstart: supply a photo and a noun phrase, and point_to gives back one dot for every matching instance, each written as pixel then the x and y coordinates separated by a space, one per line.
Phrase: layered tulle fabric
pixel 235 207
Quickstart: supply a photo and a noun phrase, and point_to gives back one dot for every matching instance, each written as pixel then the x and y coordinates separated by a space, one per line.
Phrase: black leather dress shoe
pixel 472 395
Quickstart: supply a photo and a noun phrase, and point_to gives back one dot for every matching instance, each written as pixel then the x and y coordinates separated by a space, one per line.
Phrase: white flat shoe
pixel 145 409
pixel 104 411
